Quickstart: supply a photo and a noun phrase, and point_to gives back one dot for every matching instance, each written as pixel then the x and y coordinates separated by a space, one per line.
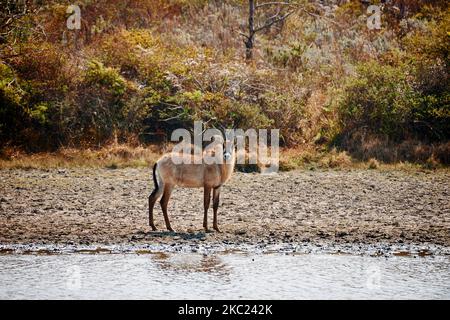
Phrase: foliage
pixel 136 71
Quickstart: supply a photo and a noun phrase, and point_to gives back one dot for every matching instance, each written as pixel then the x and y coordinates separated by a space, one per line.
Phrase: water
pixel 222 276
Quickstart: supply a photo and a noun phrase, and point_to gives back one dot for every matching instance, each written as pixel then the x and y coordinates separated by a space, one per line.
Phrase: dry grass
pixel 311 158
pixel 373 163
pixel 112 156
pixel 117 156
pixel 364 147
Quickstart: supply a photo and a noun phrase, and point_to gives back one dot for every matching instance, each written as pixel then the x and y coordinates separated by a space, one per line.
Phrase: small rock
pixel 341 234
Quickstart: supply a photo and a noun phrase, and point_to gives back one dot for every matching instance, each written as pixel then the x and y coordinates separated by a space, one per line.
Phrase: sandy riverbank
pixel 109 207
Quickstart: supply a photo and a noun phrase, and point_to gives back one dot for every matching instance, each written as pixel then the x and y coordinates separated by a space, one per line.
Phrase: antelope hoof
pixel 170 229
pixel 217 229
pixel 153 228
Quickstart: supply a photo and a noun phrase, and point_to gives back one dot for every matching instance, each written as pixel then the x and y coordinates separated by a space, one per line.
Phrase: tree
pixel 282 11
pixel 10 15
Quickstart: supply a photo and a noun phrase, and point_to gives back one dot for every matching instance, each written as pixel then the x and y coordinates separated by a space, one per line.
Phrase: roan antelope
pixel 167 175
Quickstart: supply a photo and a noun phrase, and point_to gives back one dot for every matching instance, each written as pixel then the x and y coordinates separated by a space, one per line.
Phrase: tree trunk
pixel 251 31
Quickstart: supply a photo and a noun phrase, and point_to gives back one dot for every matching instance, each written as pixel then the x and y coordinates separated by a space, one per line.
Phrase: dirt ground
pixel 105 206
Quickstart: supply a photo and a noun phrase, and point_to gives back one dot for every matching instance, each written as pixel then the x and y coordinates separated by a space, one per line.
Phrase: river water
pixel 222 276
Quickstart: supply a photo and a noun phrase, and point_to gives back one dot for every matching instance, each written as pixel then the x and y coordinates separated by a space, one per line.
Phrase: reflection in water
pixel 191 263
pixel 223 276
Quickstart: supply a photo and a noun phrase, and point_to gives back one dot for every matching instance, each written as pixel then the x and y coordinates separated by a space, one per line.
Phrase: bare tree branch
pixel 273 3
pixel 268 24
pixel 172 118
pixel 172 106
pixel 243 34
pixel 320 17
pixel 282 6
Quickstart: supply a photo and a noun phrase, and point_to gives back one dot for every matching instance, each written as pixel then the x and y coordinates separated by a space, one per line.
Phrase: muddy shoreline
pixel 351 211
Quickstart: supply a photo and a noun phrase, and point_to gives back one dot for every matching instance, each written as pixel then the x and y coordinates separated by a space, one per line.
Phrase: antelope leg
pixel 164 201
pixel 206 201
pixel 152 198
pixel 216 195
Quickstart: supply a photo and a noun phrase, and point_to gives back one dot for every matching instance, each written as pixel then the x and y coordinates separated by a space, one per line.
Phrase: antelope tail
pixel 155 181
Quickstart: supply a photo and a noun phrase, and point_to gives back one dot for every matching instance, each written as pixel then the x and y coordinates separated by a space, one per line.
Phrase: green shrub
pixel 99 75
pixel 285 111
pixel 144 68
pixel 380 99
pixel 411 100
pixel 12 113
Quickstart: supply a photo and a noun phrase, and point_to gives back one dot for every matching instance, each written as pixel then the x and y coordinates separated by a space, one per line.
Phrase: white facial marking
pixel 227 156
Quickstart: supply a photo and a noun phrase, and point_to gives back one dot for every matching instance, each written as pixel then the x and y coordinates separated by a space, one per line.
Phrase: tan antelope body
pixel 167 174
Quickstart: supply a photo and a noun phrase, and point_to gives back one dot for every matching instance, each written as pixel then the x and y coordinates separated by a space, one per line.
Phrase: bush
pixel 100 76
pixel 285 110
pixel 97 112
pixel 380 99
pixel 142 69
pixel 397 102
pixel 12 112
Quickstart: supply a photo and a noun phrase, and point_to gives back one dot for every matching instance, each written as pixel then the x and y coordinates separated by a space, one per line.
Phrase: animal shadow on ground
pixel 172 234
